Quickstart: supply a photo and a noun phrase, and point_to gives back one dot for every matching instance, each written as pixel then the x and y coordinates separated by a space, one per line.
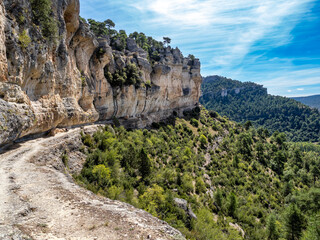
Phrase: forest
pixel 242 102
pixel 311 101
pixel 206 175
pixel 209 177
pixel 118 39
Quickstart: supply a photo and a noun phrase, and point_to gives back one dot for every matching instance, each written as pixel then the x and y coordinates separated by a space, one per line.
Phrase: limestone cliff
pixel 62 82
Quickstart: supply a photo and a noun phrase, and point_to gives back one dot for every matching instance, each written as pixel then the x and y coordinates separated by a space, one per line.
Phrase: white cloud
pixel 293 78
pixel 300 89
pixel 289 91
pixel 231 37
pixel 230 28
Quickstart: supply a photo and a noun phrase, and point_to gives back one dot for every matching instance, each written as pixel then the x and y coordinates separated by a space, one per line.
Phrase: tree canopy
pixel 248 101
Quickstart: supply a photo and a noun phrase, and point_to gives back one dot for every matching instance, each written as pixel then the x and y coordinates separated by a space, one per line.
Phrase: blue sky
pixel 272 42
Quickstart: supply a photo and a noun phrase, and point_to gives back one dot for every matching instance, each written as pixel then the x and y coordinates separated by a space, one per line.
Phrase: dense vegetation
pixel 227 173
pixel 118 40
pixel 243 102
pixel 43 16
pixel 129 75
pixel 311 101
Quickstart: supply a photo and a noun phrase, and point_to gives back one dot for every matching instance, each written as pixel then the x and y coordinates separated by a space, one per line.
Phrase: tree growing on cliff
pixel 166 41
pixel 101 29
pixel 109 23
pixel 43 16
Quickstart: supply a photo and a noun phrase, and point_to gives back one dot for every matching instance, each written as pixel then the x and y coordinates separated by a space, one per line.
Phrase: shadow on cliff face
pixel 9 147
pixel 187 114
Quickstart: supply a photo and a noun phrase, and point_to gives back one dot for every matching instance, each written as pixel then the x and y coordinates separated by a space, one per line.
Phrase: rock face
pixel 3 59
pixel 183 204
pixel 46 84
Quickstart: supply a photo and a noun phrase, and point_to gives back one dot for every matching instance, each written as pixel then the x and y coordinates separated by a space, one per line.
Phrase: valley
pixel 112 135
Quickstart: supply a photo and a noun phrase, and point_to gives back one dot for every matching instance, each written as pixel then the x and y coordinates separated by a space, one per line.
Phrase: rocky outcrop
pixel 46 84
pixel 183 204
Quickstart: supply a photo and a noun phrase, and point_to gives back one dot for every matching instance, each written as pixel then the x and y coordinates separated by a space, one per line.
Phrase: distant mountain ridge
pixel 248 101
pixel 228 86
pixel 311 101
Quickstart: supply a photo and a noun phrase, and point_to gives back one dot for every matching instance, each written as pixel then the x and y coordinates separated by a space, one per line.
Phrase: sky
pixel 275 43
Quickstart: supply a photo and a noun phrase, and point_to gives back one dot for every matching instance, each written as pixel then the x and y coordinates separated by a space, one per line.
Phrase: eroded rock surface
pixel 46 84
pixel 3 58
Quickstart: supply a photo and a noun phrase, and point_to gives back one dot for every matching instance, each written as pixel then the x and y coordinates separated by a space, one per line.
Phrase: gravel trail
pixel 38 200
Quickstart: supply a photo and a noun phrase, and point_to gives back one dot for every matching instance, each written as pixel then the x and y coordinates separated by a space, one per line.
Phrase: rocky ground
pixel 39 200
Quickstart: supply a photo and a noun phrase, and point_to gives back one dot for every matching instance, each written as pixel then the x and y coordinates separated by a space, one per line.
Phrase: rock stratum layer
pixel 47 84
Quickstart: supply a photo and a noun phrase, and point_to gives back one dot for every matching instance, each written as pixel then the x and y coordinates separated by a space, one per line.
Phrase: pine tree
pixel 218 198
pixel 272 231
pixel 313 230
pixel 145 164
pixel 287 188
pixel 166 40
pixel 294 222
pixel 297 158
pixel 232 207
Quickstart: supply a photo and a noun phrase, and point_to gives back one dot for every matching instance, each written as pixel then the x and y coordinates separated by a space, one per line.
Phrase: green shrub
pixel 148 83
pixel 200 186
pixel 101 174
pixel 43 16
pixel 203 140
pixel 83 81
pixel 87 140
pixel 24 39
pixel 149 168
pixel 194 122
pixel 232 205
pixel 153 199
pixel 114 192
pixel 65 160
pixel 187 183
pixel 130 75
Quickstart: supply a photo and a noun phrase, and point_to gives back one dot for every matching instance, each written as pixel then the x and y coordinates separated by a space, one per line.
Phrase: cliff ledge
pixel 47 83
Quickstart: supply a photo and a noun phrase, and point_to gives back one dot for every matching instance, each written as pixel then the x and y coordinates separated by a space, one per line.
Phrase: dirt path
pixel 39 201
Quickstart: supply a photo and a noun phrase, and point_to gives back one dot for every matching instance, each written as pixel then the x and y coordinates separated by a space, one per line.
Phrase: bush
pixel 200 186
pixel 130 75
pixel 87 140
pixel 187 184
pixel 114 192
pixel 194 122
pixel 153 199
pixel 101 174
pixel 232 205
pixel 294 222
pixel 148 83
pixel 170 157
pixel 65 160
pixel 24 39
pixel 43 16
pixel 203 140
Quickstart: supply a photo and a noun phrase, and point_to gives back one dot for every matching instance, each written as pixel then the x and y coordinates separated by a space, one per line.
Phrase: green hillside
pixel 248 101
pixel 311 101
pixel 232 177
